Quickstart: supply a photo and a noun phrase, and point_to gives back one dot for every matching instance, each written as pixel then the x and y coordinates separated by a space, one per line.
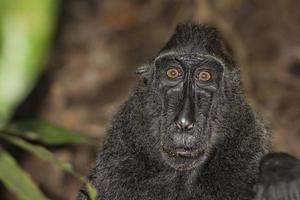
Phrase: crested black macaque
pixel 279 178
pixel 186 132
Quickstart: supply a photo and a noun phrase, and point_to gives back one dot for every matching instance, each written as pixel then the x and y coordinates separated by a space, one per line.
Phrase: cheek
pixel 203 103
pixel 171 102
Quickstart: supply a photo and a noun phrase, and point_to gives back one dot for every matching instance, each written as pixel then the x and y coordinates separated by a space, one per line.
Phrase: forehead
pixel 188 58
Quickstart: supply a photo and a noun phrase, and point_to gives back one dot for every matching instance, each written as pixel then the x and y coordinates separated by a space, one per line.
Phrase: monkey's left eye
pixel 173 73
pixel 204 76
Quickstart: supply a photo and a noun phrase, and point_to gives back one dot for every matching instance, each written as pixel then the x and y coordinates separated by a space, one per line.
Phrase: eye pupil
pixel 204 76
pixel 173 73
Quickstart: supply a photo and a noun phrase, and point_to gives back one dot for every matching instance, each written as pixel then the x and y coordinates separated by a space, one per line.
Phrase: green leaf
pixel 26 30
pixel 16 179
pixel 40 152
pixel 91 190
pixel 48 133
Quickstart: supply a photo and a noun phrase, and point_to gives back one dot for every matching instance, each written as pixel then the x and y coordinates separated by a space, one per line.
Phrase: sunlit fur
pixel 131 165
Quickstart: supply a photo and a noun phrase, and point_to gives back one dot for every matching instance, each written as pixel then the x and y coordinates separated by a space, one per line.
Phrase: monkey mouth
pixel 183 159
pixel 182 152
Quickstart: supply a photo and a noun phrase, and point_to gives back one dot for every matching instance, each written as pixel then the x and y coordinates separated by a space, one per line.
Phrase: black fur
pixel 279 178
pixel 131 165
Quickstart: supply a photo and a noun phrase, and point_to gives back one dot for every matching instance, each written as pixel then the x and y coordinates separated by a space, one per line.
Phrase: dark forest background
pixel 98 44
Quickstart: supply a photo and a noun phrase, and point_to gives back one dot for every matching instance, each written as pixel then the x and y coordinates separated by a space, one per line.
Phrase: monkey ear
pixel 144 71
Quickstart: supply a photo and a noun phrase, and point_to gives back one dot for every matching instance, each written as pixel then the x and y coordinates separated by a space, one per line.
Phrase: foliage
pixel 26 31
pixel 15 179
pixel 42 131
pixel 92 191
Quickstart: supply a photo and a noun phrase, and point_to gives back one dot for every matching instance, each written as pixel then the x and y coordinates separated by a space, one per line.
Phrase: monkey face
pixel 187 84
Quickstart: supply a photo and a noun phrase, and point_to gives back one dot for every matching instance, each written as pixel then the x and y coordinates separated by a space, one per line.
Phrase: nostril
pixel 178 125
pixel 184 124
pixel 190 126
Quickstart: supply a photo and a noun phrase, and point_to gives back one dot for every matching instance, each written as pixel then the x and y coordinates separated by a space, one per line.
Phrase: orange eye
pixel 173 73
pixel 204 76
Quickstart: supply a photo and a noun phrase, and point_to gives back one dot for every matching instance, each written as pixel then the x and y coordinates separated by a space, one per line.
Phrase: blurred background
pixel 67 65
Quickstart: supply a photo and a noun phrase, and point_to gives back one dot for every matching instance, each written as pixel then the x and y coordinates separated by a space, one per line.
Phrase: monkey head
pixel 194 79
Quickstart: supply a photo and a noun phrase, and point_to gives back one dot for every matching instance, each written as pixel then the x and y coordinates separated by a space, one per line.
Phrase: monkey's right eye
pixel 173 73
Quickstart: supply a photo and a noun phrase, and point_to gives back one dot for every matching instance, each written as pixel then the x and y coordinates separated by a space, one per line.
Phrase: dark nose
pixel 184 124
pixel 186 117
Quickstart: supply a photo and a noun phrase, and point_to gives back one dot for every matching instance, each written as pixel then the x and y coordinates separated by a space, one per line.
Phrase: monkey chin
pixel 183 159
